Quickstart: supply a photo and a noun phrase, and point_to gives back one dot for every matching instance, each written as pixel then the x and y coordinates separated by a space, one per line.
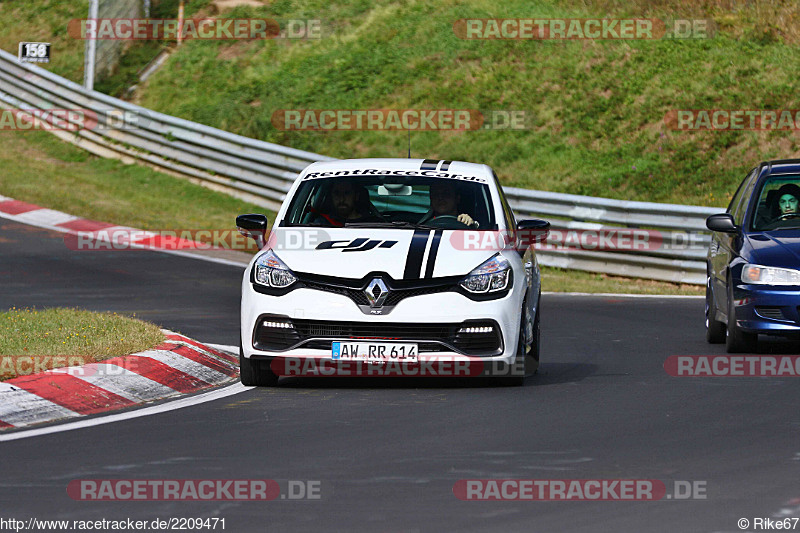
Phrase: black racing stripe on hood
pixel 415 252
pixel 437 236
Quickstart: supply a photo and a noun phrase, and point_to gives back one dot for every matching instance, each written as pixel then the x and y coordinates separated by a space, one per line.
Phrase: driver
pixel 444 199
pixel 788 196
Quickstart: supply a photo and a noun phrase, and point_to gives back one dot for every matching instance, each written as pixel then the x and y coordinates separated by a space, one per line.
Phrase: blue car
pixel 753 282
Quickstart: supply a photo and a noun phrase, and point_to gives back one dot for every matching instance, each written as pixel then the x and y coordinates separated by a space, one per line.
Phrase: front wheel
pixel 715 330
pixel 519 368
pixel 256 373
pixel 736 340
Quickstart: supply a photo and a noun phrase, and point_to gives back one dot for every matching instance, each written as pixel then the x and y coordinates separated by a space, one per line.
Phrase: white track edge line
pixel 230 390
pixel 131 245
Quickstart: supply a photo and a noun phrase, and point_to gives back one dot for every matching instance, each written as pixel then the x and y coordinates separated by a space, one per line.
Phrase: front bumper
pixel 432 320
pixel 767 310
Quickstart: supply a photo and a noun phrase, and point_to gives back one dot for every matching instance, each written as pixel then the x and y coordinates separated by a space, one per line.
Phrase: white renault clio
pixel 374 264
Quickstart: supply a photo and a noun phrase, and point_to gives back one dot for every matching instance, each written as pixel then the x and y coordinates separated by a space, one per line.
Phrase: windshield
pixel 391 201
pixel 778 204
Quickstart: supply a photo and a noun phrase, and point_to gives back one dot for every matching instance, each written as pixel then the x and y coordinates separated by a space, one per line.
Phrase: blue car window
pixel 738 205
pixel 778 204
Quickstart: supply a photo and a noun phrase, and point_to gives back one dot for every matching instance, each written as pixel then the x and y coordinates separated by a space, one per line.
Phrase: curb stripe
pixel 206 360
pixel 72 393
pixel 226 358
pixel 160 373
pixel 22 408
pixel 16 207
pixel 120 381
pixel 187 366
pixel 46 216
pixel 175 338
pixel 81 224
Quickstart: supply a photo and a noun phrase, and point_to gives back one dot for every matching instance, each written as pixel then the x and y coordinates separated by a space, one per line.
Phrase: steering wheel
pixel 787 216
pixel 448 220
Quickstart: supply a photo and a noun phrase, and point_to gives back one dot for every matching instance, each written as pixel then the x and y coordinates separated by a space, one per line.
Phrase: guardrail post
pixel 90 49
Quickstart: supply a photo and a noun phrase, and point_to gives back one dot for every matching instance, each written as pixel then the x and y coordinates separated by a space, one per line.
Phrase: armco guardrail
pixel 263 172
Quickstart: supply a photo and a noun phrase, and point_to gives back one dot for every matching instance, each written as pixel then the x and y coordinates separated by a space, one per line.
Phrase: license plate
pixel 374 352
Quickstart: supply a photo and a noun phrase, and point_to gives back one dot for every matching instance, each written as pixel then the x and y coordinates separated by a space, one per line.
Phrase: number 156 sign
pixel 34 52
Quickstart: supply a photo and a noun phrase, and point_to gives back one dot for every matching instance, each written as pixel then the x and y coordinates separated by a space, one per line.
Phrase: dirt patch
pixel 218 6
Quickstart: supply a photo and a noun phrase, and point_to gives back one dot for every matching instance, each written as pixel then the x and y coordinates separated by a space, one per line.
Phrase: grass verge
pixel 41 169
pixel 561 280
pixel 34 340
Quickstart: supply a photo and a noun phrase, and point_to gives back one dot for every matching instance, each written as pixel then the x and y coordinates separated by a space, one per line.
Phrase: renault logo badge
pixel 376 292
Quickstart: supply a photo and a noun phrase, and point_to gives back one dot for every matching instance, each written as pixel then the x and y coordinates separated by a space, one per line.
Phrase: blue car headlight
pixel 491 276
pixel 764 275
pixel 270 271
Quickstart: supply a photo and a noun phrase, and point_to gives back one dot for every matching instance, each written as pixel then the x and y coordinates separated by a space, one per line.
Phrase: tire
pixel 255 373
pixel 535 345
pixel 517 378
pixel 715 330
pixel 736 340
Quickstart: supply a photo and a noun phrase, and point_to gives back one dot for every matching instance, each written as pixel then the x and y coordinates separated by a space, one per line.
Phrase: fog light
pixel 284 325
pixel 481 329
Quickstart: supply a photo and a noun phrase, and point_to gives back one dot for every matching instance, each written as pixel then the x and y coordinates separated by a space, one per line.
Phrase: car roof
pixel 782 166
pixel 452 168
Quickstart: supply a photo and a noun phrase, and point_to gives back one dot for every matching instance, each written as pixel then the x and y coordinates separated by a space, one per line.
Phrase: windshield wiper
pixel 394 224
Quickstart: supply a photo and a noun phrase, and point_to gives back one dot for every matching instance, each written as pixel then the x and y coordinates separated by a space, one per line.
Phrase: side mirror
pixel 531 231
pixel 253 226
pixel 722 222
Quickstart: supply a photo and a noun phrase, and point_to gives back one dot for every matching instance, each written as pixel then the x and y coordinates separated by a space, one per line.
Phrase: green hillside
pixel 596 107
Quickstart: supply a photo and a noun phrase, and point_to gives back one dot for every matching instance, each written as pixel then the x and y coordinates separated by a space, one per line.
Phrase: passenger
pixel 348 203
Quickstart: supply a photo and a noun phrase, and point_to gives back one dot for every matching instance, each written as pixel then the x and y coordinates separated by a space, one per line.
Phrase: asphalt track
pixel 387 454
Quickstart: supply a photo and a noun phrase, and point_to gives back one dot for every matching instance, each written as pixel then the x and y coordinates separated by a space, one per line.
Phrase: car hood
pixel 401 253
pixel 776 248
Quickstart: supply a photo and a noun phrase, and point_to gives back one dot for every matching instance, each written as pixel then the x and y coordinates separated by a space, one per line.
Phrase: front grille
pixel 317 334
pixel 357 295
pixel 392 331
pixel 773 313
pixel 396 296
pixel 399 290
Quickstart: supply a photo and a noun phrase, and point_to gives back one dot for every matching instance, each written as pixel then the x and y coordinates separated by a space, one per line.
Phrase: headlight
pixel 272 272
pixel 761 275
pixel 491 276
